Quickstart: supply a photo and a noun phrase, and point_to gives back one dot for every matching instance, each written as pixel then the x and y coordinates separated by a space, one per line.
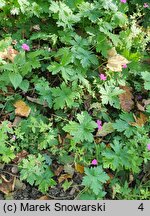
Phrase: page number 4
pixel 141 207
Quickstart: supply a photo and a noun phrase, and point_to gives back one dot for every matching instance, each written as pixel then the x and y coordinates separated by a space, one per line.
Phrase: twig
pixel 3 171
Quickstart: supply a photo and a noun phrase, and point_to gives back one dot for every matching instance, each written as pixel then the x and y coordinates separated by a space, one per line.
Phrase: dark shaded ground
pixel 28 192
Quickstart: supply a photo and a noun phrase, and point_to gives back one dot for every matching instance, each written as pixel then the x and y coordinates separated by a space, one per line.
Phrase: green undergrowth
pixel 82 70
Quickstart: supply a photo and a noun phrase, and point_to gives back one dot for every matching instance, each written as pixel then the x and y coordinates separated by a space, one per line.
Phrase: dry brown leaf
pixel 111 176
pixel 59 170
pixel 37 101
pixel 64 177
pixel 140 107
pixel 22 109
pixel 16 121
pixel 79 168
pixel 7 185
pixel 146 102
pixel 131 178
pixel 115 61
pixel 44 198
pixel 126 99
pixel 139 121
pixel 61 140
pixel 19 185
pixel 9 53
pixel 68 136
pixel 69 169
pixel 19 156
pixel 98 140
pixel 108 145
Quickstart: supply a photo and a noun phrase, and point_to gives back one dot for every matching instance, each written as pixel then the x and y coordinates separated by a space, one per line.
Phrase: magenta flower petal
pixel 94 162
pixel 25 47
pixel 123 1
pixel 99 124
pixel 102 77
pixel 146 5
pixel 124 66
pixel 148 146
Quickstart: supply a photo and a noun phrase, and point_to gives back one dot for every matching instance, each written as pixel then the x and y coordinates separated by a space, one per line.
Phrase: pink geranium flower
pixel 148 146
pixel 102 77
pixel 94 162
pixel 25 47
pixel 124 66
pixel 123 1
pixel 99 124
pixel 146 5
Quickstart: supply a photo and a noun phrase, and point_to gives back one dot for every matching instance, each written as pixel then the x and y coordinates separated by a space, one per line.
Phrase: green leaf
pixel 86 57
pixel 146 77
pixel 63 14
pixel 94 179
pixel 66 185
pixel 42 86
pixel 117 157
pixel 83 130
pixel 6 154
pixel 100 41
pixel 120 19
pixel 15 79
pixel 24 85
pixel 8 66
pixel 122 124
pixel 109 94
pixel 64 96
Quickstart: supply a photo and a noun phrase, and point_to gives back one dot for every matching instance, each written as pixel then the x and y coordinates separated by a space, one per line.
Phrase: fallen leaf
pixel 8 53
pixel 22 109
pixel 7 185
pixel 72 191
pixel 16 121
pixel 107 128
pixel 37 101
pixel 79 168
pixel 19 156
pixel 111 176
pixel 59 170
pixel 139 121
pixel 87 101
pixel 68 136
pixel 69 169
pixel 44 198
pixel 64 177
pixel 108 145
pixel 61 140
pixel 19 185
pixel 115 61
pixel 131 178
pixel 2 165
pixel 98 140
pixel 146 102
pixel 140 107
pixel 126 99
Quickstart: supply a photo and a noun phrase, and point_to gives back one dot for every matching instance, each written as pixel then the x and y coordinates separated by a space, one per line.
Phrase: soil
pixel 28 192
pixel 32 193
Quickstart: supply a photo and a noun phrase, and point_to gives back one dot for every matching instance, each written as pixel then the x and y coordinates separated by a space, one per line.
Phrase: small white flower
pixel 14 11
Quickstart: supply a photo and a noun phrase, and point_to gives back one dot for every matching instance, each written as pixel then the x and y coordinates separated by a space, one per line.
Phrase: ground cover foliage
pixel 74 97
